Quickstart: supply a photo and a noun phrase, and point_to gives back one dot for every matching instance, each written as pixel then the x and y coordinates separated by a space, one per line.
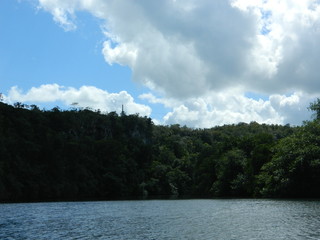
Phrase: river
pixel 162 219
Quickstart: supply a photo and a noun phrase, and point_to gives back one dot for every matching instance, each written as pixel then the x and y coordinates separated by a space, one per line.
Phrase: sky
pixel 199 63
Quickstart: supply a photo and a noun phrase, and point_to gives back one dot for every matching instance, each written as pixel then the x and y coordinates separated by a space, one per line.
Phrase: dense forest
pixel 81 154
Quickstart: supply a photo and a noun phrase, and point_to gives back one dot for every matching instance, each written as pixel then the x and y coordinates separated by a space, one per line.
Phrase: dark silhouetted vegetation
pixel 84 154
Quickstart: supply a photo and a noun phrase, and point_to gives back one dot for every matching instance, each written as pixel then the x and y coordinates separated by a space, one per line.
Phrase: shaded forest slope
pixel 83 154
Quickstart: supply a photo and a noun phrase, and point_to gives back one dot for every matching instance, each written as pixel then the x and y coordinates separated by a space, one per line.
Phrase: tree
pixel 76 154
pixel 315 107
pixel 231 178
pixel 295 167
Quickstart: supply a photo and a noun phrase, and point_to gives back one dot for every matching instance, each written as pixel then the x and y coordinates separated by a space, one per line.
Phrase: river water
pixel 162 219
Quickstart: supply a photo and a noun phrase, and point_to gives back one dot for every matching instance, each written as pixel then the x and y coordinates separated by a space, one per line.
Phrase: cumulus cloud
pixel 228 107
pixel 186 48
pixel 234 107
pixel 288 47
pixel 85 97
pixel 196 53
pixel 180 49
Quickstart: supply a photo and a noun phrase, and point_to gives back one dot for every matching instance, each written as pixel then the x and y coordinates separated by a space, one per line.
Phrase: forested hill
pixel 84 154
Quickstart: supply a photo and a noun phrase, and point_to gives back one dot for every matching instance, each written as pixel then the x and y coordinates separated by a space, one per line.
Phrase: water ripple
pixel 168 219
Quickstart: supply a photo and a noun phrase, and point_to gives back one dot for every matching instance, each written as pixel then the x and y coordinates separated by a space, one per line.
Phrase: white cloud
pixel 187 48
pixel 233 107
pixel 85 96
pixel 195 53
pixel 122 53
pixel 62 11
pixel 180 49
pixel 289 48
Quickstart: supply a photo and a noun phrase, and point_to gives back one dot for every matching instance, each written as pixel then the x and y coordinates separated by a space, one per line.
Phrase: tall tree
pixel 315 107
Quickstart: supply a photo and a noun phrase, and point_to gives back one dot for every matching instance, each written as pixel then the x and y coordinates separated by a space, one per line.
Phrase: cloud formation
pixel 200 112
pixel 84 97
pixel 185 48
pixel 234 107
pixel 203 56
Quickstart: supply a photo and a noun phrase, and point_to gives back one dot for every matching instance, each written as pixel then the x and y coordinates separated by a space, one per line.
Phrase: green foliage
pixel 295 167
pixel 315 107
pixel 83 154
pixel 76 154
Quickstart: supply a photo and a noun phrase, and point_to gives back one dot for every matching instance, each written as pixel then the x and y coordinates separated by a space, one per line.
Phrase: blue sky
pixel 198 64
pixel 35 51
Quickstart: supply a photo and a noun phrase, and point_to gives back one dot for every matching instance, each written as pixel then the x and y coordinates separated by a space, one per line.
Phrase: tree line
pixel 82 154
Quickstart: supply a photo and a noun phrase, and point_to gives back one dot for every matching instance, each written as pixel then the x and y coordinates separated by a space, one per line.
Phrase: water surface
pixel 162 219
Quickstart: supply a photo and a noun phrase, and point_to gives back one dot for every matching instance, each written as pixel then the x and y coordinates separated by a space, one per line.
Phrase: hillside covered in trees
pixel 84 154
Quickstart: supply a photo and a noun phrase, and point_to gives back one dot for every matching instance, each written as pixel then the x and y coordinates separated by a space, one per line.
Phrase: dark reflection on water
pixel 162 219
